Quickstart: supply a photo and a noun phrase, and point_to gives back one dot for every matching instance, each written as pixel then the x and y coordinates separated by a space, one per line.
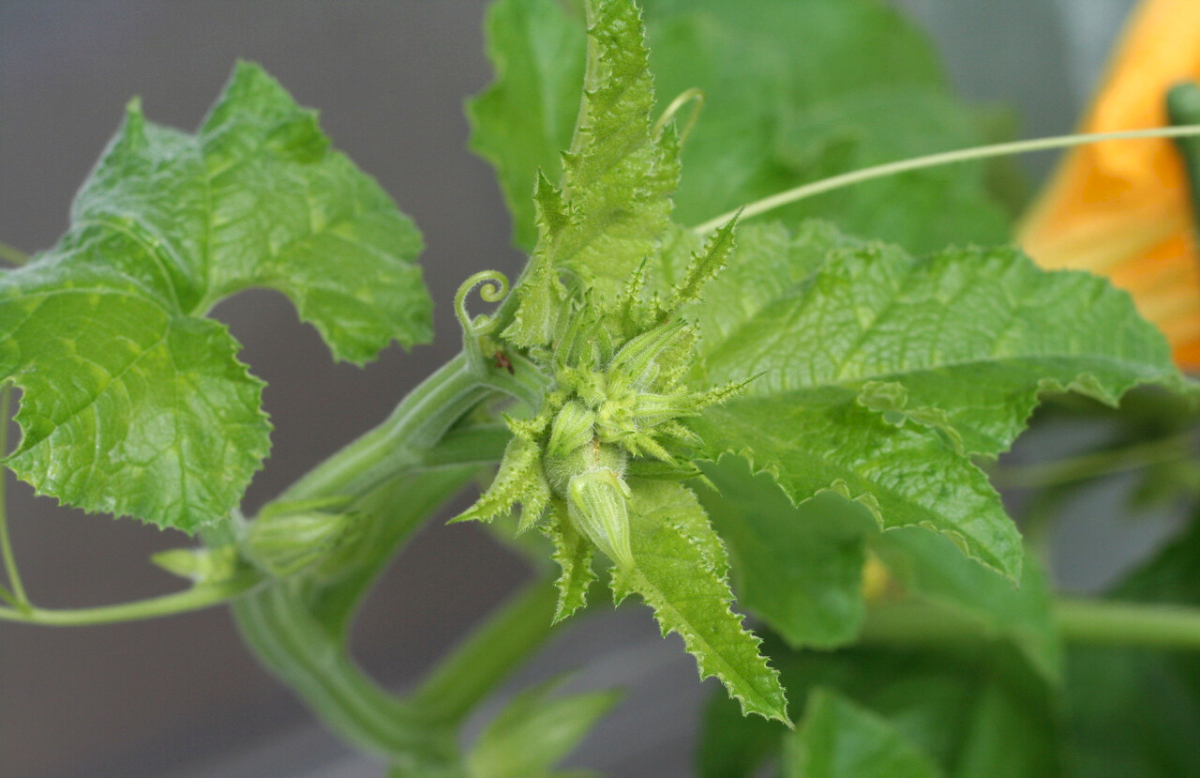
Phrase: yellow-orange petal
pixel 1121 208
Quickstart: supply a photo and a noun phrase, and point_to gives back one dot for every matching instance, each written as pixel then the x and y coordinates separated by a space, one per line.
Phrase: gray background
pixel 181 696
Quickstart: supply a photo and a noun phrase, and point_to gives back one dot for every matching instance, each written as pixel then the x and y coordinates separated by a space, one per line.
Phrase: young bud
pixel 289 543
pixel 597 504
pixel 201 565
pixel 572 429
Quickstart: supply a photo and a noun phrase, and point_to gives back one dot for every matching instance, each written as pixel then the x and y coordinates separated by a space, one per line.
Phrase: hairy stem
pixel 463 678
pixel 418 423
pixel 934 160
pixel 395 476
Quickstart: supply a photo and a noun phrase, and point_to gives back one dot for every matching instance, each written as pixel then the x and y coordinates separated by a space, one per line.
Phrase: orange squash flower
pixel 1122 208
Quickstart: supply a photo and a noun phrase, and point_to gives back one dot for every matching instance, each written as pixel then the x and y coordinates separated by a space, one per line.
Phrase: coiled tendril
pixel 494 288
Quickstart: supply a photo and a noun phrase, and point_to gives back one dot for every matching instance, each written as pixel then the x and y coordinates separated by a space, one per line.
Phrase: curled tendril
pixel 494 287
pixel 693 95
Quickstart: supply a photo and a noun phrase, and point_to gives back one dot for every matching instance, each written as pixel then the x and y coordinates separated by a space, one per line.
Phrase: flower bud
pixel 572 428
pixel 290 543
pixel 597 504
pixel 203 566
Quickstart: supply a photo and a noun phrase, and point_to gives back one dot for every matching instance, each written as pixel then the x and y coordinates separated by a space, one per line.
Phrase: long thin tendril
pixel 695 96
pixel 933 160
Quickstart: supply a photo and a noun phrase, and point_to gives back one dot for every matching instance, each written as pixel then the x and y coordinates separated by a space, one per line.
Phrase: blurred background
pixel 181 697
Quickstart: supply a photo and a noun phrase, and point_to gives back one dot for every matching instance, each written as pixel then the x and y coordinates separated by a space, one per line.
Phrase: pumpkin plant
pixel 731 375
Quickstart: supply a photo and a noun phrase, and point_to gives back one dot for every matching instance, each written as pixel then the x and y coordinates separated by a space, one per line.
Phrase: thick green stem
pixel 1118 460
pixel 298 627
pixel 299 633
pixel 1101 622
pixel 316 665
pixel 917 623
pixel 1128 624
pixel 418 423
pixel 394 446
pixel 465 677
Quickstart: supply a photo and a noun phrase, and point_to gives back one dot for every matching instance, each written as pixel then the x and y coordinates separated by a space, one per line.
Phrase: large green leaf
pixel 133 401
pixel 880 376
pixel 840 739
pixel 680 568
pixel 775 113
pixel 614 203
pixel 1137 711
pixel 799 568
pixel 928 567
pixel 527 115
pixel 976 710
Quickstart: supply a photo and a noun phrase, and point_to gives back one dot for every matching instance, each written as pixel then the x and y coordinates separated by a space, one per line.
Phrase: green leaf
pixel 775 114
pixel 840 739
pixel 976 710
pixel 573 553
pixel 1133 711
pixel 776 117
pixel 680 567
pixel 927 565
pixel 880 375
pixel 614 203
pixel 536 731
pixel 620 171
pixel 135 403
pixel 527 115
pixel 799 568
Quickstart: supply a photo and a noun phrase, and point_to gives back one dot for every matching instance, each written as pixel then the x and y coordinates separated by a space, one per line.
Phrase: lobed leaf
pixel 135 403
pixel 799 568
pixel 775 114
pixel 880 375
pixel 840 739
pixel 526 116
pixel 973 709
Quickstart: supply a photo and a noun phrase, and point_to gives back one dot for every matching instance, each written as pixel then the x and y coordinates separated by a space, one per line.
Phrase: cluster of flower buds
pixel 618 394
